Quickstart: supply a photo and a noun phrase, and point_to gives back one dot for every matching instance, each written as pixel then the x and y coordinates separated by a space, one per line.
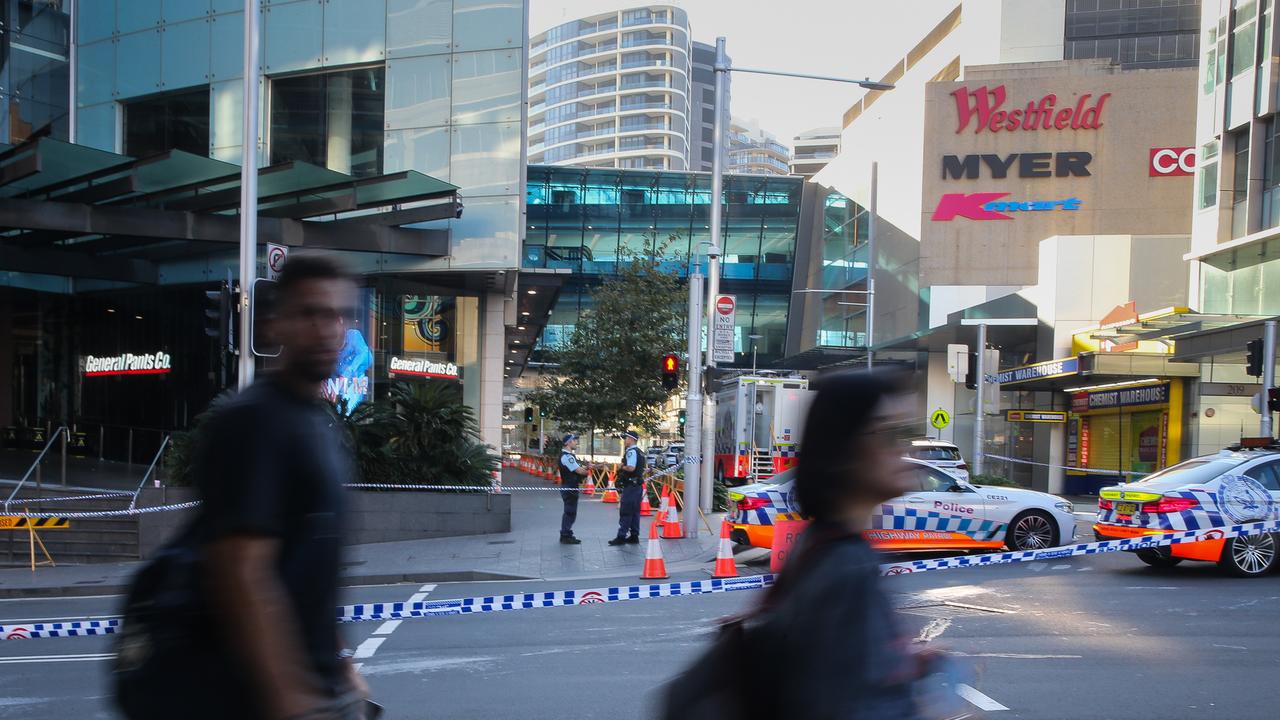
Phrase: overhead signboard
pixel 1036 416
pixel 423 367
pixel 1039 371
pixel 156 363
pixel 722 335
pixel 1120 397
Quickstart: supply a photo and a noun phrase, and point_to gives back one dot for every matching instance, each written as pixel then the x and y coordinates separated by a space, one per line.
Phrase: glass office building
pixel 584 219
pixel 372 113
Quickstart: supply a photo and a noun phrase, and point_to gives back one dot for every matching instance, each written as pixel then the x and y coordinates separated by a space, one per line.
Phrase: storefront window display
pixel 1125 430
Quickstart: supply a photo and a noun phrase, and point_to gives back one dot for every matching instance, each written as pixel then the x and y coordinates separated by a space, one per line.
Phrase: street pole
pixel 708 436
pixel 542 433
pixel 693 407
pixel 871 261
pixel 248 190
pixel 1268 374
pixel 979 430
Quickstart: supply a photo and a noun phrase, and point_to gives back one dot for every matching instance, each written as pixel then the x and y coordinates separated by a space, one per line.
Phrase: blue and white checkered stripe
pixel 895 517
pixel 554 598
pixel 78 628
pixel 1203 516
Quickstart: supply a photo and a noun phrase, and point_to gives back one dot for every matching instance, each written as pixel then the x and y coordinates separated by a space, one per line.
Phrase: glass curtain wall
pixel 589 220
pixel 844 267
pixel 35 72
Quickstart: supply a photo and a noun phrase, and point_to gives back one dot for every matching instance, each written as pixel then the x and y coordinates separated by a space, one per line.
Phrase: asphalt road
pixel 1095 637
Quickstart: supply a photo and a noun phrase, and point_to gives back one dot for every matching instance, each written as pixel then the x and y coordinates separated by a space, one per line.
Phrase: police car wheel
pixel 1031 530
pixel 1249 555
pixel 1156 559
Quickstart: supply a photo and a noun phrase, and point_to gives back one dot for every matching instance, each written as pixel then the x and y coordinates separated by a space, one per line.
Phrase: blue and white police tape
pixel 1141 542
pixel 86 515
pixel 69 628
pixel 95 496
pixel 550 598
pixel 592 596
pixel 1086 471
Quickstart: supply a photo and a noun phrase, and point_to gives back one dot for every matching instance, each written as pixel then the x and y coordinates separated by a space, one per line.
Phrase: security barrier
pixel 591 596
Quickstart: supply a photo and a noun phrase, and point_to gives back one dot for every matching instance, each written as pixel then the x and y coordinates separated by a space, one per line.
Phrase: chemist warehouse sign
pixel 1012 159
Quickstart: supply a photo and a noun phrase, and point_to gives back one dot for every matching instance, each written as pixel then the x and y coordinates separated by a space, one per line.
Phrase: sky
pixel 845 38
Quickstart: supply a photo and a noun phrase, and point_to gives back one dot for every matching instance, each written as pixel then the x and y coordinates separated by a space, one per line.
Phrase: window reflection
pixel 174 121
pixel 334 120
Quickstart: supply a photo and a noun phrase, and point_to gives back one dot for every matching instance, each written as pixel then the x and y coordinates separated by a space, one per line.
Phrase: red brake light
pixel 752 503
pixel 1105 504
pixel 1170 505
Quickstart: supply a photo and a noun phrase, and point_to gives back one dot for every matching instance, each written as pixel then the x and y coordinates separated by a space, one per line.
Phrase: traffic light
pixel 528 415
pixel 682 418
pixel 1253 361
pixel 670 371
pixel 217 313
pixel 1273 399
pixel 542 412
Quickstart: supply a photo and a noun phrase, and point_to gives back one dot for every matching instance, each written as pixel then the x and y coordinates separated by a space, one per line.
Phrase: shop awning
pixel 1168 326
pixel 538 291
pixel 1087 369
pixel 76 211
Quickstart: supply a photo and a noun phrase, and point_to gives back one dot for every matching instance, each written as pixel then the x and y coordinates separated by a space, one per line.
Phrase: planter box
pixel 371 516
pixel 413 514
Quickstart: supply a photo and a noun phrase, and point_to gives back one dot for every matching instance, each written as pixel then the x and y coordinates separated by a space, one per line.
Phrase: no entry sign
pixel 722 331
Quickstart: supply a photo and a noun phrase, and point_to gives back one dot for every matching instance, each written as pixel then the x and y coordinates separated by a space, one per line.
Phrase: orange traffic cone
pixel 725 567
pixel 655 568
pixel 646 509
pixel 671 529
pixel 590 487
pixel 610 494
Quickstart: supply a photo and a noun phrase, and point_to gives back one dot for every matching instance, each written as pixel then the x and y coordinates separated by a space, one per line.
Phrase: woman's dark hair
pixel 301 267
pixel 842 411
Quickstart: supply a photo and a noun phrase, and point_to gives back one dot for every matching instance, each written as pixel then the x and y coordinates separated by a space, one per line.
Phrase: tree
pixel 610 370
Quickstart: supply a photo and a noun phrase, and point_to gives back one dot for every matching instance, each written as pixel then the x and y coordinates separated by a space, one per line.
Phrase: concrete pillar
pixel 493 347
pixel 338 124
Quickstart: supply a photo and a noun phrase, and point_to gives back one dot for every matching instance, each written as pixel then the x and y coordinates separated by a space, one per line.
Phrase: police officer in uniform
pixel 631 485
pixel 571 474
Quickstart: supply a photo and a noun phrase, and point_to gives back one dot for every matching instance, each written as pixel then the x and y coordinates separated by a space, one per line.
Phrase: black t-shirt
pixel 272 464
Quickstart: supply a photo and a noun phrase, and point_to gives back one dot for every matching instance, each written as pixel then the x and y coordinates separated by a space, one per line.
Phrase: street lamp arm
pixel 867 83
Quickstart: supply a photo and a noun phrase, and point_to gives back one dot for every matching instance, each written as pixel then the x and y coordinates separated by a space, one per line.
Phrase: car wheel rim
pixel 1253 553
pixel 1032 533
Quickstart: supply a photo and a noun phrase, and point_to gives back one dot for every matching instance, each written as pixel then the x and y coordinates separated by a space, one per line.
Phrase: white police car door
pixel 941 504
pixel 1268 476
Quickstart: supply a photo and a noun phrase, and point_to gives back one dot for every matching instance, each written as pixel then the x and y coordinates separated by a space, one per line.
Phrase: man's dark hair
pixel 309 266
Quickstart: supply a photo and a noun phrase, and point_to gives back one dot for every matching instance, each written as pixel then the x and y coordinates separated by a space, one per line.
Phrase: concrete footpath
pixel 532 550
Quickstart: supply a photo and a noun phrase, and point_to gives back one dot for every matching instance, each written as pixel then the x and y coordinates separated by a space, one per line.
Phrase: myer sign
pixel 156 363
pixel 421 367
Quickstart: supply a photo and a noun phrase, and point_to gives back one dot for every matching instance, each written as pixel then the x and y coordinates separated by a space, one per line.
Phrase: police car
pixel 944 513
pixel 941 455
pixel 1238 485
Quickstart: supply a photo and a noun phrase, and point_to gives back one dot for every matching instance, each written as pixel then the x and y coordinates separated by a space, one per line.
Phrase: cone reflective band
pixel 646 510
pixel 610 494
pixel 671 529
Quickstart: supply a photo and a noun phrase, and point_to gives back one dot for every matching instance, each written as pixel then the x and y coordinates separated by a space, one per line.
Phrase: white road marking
pixel 1086 514
pixel 953 593
pixel 64 618
pixel 370 646
pixel 56 658
pixel 977 699
pixel 60 597
pixel 1016 656
pixel 933 630
pixel 1231 647
pixel 367 648
pixel 1060 567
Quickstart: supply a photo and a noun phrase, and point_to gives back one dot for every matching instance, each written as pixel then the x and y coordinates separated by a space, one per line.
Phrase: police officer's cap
pixel 568 438
pixel 631 434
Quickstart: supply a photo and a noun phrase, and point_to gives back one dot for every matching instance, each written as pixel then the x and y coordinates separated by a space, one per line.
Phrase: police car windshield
pixel 934 452
pixel 1193 472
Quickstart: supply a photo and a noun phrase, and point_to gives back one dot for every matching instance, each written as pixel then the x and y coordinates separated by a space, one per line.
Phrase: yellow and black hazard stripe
pixel 22 522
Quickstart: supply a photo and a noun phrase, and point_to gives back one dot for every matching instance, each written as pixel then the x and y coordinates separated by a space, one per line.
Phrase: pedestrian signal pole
pixel 693 402
pixel 1268 374
pixel 248 189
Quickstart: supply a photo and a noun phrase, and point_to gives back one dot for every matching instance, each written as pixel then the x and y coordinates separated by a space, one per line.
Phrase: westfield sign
pixel 984 108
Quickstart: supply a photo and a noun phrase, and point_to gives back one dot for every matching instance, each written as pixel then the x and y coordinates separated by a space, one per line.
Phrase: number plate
pixel 1126 508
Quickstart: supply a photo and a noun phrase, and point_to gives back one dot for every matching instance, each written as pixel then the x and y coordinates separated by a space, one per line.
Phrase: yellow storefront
pixel 1120 433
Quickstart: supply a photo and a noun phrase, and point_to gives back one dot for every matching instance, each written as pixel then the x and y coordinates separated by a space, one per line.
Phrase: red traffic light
pixel 671 365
